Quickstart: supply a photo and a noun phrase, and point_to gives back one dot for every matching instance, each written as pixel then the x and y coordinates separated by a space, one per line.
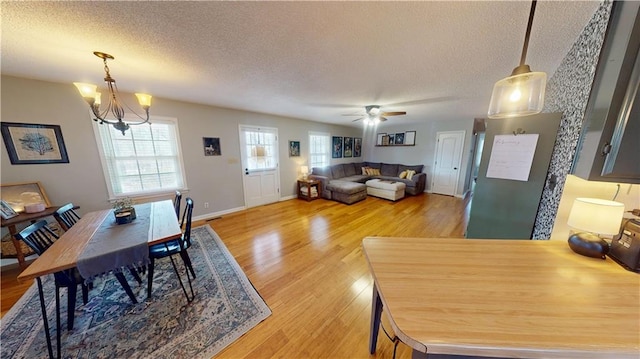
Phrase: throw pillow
pixel 403 174
pixel 364 171
pixel 375 172
pixel 410 174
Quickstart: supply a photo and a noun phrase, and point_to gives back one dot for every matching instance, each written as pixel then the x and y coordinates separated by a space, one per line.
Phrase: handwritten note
pixel 512 156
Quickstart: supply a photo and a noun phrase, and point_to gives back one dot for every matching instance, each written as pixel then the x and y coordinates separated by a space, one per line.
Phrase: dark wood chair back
pixel 176 203
pixel 67 216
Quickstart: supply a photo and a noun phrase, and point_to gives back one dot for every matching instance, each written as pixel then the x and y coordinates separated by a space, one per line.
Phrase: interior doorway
pixel 446 169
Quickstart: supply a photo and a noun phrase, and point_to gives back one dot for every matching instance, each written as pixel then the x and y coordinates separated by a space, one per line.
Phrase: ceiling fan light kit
pixel 373 115
pixel 113 107
pixel 522 93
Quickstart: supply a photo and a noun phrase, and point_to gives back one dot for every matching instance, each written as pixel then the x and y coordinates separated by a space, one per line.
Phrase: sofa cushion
pixel 389 169
pixel 350 169
pixel 417 168
pixel 337 171
pixel 359 166
pixel 322 171
pixel 374 164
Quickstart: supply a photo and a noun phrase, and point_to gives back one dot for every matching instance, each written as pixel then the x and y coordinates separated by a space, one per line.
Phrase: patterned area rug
pixel 109 326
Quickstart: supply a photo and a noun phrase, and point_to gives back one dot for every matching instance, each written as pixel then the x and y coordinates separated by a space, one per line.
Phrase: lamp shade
pixel 596 216
pixel 518 95
pixel 304 170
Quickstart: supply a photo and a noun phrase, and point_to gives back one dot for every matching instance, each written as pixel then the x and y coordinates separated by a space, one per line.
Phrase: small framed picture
pixel 6 210
pixel 392 139
pixel 211 146
pixel 380 139
pixel 294 148
pixel 399 139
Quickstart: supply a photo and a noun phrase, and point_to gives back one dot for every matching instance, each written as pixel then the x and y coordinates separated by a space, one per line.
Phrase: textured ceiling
pixel 308 60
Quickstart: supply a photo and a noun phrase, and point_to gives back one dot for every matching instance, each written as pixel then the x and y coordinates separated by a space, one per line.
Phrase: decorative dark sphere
pixel 588 244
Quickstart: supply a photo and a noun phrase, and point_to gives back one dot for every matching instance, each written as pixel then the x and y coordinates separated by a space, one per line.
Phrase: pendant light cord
pixel 526 36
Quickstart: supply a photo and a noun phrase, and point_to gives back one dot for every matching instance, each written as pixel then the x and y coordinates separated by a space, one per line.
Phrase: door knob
pixel 246 171
pixel 455 168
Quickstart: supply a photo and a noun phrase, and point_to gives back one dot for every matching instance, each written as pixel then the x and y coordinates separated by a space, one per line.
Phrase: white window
pixel 146 160
pixel 319 149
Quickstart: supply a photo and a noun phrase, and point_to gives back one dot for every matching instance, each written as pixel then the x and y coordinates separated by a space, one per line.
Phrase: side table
pixel 21 218
pixel 309 189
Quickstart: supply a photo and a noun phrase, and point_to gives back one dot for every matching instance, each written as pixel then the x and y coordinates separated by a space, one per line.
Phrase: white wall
pixel 425 149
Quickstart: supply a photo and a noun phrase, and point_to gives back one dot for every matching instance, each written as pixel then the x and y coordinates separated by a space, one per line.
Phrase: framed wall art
pixel 336 150
pixel 17 195
pixel 211 146
pixel 348 147
pixel 357 147
pixel 407 138
pixel 6 211
pixel 294 148
pixel 29 143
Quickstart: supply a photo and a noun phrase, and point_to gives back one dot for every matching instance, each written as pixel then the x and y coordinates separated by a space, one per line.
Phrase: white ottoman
pixel 391 190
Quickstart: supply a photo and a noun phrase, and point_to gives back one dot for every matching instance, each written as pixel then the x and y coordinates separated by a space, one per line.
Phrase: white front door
pixel 446 169
pixel 259 152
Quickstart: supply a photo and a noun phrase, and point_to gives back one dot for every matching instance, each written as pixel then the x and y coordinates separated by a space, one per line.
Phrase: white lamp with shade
pixel 305 171
pixel 592 218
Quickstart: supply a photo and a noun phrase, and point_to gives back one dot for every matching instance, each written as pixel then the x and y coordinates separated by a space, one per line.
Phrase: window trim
pixel 146 194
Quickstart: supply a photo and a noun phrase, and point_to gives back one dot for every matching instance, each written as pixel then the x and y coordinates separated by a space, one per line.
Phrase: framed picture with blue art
pixel 348 147
pixel 29 143
pixel 336 149
pixel 357 147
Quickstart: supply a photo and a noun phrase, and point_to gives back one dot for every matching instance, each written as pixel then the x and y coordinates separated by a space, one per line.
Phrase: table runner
pixel 114 247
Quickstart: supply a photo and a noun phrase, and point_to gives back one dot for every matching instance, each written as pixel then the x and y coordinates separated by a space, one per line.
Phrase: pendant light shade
pixel 518 95
pixel 522 93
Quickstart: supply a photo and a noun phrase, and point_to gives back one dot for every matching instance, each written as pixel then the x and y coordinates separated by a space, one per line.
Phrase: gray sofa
pixel 335 176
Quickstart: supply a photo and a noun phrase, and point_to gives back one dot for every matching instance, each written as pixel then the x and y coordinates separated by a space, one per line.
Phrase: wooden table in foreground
pixel 503 298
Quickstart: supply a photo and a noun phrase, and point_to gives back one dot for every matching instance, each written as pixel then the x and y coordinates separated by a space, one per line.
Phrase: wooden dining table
pixel 447 297
pixel 67 250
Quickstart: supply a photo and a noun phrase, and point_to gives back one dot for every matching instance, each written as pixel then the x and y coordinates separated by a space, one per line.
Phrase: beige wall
pixel 213 179
pixel 629 194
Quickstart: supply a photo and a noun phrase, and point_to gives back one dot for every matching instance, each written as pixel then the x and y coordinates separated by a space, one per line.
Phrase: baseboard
pixel 217 214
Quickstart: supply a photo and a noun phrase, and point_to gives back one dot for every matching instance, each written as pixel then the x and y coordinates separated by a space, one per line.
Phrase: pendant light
pixel 522 93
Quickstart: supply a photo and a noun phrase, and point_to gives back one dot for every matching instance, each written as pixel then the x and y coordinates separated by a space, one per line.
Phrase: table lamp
pixel 592 217
pixel 305 171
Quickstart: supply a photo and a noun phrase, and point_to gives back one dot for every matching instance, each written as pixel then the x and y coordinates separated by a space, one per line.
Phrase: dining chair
pixel 176 203
pixel 177 246
pixel 66 216
pixel 39 238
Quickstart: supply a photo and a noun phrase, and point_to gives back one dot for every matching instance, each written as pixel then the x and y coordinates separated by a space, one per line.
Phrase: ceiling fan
pixel 373 115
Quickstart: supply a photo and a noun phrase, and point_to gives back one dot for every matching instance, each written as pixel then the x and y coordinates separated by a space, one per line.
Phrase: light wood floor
pixel 306 261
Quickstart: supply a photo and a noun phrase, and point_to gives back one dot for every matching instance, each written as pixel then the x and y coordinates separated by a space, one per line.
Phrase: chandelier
pixel 114 106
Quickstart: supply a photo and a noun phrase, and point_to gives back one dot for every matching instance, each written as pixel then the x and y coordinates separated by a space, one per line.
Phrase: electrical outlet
pixel 206 205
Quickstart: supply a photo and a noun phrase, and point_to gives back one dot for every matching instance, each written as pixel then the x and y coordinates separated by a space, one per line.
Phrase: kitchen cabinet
pixel 609 145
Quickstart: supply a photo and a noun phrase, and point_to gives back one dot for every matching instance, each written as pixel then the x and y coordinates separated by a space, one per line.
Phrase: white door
pixel 446 169
pixel 259 152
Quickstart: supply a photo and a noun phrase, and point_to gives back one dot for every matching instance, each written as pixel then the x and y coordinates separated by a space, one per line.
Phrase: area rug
pixel 226 306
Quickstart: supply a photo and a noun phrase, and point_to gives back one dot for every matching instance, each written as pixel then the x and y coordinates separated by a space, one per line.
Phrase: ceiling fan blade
pixel 357 119
pixel 397 113
pixel 352 114
pixel 382 119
